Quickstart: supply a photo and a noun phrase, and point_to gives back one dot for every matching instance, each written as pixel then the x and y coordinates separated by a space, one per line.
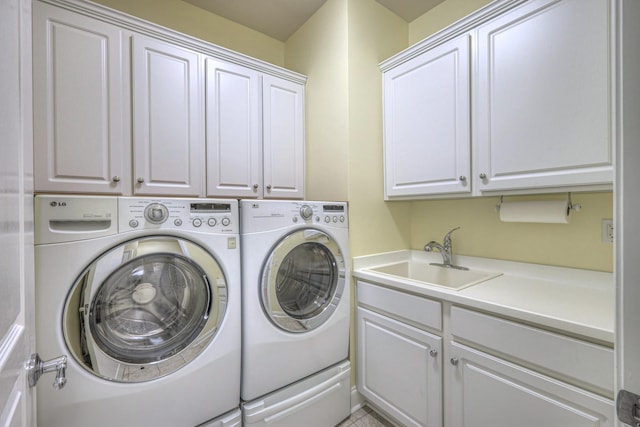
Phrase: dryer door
pixel 303 280
pixel 145 308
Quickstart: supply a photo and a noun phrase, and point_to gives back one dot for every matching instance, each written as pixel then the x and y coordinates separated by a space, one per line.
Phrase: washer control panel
pixel 205 215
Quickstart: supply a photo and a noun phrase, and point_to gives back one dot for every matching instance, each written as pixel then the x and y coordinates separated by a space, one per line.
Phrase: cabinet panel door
pixel 168 119
pixel 283 138
pixel 427 123
pixel 543 105
pixel 80 75
pixel 396 371
pixel 487 391
pixel 234 142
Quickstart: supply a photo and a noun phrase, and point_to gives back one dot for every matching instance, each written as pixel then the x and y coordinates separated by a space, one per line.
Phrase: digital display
pixel 210 207
pixel 333 208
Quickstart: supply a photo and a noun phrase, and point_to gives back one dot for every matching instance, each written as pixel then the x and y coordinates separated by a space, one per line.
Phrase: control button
pixel 178 222
pixel 341 218
pixel 212 222
pixel 294 219
pixel 335 219
pixel 226 221
pixel 306 212
pixel 156 213
pixel 327 219
pixel 197 222
pixel 133 223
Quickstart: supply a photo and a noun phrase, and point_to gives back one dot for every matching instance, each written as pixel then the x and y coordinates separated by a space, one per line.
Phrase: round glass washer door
pixel 303 280
pixel 145 308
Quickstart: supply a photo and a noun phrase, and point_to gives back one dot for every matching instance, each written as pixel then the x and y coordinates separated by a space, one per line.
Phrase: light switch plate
pixel 607 231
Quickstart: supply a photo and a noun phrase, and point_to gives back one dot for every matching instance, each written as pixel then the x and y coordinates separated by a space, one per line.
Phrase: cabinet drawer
pixel 411 308
pixel 570 359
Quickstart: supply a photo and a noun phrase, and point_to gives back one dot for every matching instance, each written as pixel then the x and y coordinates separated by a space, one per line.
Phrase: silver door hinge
pixel 628 408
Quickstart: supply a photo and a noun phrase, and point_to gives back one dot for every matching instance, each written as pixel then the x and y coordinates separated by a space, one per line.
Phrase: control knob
pixel 156 213
pixel 306 212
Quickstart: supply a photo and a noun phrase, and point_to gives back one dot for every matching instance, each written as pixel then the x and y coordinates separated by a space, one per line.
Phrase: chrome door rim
pixel 325 247
pixel 113 355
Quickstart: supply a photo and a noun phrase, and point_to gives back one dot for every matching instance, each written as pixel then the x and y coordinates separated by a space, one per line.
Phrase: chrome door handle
pixel 36 367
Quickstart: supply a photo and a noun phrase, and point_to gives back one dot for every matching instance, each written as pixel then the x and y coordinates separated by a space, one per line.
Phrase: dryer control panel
pixel 204 215
pixel 265 215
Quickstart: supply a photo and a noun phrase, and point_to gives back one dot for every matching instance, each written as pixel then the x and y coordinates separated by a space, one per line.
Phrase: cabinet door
pixel 399 369
pixel 543 104
pixel 427 123
pixel 168 119
pixel 234 142
pixel 487 391
pixel 283 138
pixel 81 114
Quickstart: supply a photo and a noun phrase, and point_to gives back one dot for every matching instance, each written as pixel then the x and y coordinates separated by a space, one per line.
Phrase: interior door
pixel 17 340
pixel 627 207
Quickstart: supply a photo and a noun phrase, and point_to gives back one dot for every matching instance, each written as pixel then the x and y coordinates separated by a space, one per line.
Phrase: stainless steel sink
pixel 449 278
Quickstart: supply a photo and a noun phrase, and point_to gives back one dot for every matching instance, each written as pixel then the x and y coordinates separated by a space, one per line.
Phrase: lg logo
pixel 54 204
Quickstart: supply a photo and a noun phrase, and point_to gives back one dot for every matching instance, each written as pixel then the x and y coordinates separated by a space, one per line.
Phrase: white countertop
pixel 579 302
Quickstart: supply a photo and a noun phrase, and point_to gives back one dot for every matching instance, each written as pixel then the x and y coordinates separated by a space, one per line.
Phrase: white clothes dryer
pixel 143 294
pixel 295 291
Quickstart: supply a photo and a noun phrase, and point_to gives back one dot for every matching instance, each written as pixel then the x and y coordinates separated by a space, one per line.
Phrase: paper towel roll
pixel 549 211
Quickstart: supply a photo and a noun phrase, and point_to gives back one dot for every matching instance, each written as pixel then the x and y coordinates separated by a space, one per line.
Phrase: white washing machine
pixel 295 292
pixel 143 295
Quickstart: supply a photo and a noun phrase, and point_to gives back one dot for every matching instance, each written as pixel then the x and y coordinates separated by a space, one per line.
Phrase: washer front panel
pixel 303 280
pixel 145 308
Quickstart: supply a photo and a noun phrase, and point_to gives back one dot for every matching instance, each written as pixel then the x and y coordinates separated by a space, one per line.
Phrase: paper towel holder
pixel 570 206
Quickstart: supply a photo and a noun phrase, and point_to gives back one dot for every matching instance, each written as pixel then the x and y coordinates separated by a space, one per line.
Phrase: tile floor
pixel 365 417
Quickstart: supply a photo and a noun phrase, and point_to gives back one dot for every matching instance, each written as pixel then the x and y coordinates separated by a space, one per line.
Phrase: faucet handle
pixel 447 236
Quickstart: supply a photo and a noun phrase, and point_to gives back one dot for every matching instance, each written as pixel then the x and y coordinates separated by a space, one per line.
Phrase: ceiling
pixel 281 18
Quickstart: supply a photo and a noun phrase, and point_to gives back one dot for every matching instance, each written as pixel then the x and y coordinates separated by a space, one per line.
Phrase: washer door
pixel 145 308
pixel 303 280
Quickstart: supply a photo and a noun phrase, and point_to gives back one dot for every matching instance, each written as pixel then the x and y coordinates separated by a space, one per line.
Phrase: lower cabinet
pixel 399 369
pixel 399 365
pixel 424 362
pixel 489 391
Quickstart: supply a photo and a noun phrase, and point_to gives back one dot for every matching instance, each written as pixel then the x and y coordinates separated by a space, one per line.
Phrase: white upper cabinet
pixel 544 90
pixel 255 133
pixel 427 122
pixel 119 108
pixel 81 98
pixel 233 130
pixel 168 131
pixel 283 138
pixel 539 112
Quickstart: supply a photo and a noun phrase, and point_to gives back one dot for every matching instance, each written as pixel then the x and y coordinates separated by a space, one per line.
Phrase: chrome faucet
pixel 445 250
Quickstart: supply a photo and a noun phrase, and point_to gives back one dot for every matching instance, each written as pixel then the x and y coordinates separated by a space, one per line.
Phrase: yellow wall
pixel 339 49
pixel 577 244
pixel 374 35
pixel 319 50
pixel 186 18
